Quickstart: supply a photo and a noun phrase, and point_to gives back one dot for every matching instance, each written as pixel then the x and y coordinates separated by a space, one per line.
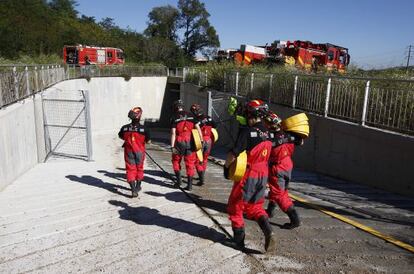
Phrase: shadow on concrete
pixel 172 196
pixel 148 216
pixel 93 181
pixel 114 175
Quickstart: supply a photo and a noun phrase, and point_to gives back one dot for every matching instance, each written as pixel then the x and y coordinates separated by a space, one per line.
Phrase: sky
pixel 377 33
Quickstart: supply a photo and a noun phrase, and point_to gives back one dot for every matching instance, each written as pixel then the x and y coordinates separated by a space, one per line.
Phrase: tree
pixel 198 33
pixel 163 22
pixel 64 7
pixel 108 23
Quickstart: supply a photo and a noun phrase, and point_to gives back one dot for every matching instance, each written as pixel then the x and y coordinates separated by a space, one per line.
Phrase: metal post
pixel 224 81
pixel 26 75
pixel 237 83
pixel 295 88
pixel 209 104
pixel 206 78
pixel 199 78
pixel 270 87
pixel 42 74
pixel 88 124
pixel 36 76
pixel 364 110
pixel 184 74
pixel 16 83
pixel 48 76
pixel 328 94
pixel 1 95
pixel 251 82
pixel 176 72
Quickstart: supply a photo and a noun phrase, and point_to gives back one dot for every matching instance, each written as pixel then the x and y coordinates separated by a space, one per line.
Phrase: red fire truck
pixel 305 54
pixel 81 55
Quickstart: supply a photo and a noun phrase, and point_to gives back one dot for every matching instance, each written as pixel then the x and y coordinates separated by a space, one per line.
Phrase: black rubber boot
pixel 138 186
pixel 177 179
pixel 294 218
pixel 190 183
pixel 133 186
pixel 201 177
pixel 238 237
pixel 271 209
pixel 270 241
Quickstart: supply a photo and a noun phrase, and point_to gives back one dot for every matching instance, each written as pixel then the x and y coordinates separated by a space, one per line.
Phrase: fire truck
pixel 81 55
pixel 303 54
pixel 307 55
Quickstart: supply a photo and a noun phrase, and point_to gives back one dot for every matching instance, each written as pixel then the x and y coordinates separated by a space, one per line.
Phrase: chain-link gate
pixel 67 124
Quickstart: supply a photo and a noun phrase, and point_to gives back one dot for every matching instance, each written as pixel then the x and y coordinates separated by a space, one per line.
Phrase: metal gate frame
pixel 85 111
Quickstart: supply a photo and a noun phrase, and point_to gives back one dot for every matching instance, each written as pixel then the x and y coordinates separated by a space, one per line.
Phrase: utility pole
pixel 408 57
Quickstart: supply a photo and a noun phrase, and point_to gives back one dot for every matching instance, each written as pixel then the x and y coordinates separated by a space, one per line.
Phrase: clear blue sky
pixel 377 33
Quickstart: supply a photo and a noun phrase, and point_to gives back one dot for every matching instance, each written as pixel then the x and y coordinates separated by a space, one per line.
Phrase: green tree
pixel 64 7
pixel 198 33
pixel 163 23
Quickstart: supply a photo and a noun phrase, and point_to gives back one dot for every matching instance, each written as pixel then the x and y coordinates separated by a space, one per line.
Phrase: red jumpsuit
pixel 247 196
pixel 135 136
pixel 280 169
pixel 206 124
pixel 184 123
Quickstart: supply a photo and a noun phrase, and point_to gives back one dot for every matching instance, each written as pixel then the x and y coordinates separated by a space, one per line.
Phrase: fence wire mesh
pixel 65 123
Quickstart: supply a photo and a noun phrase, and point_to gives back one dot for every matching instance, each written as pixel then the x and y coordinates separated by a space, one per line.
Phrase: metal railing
pixel 382 103
pixel 18 82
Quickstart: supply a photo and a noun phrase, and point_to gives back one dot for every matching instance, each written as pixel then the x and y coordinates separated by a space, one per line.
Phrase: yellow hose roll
pixel 294 120
pixel 196 139
pixel 238 167
pixel 215 134
pixel 199 155
pixel 302 130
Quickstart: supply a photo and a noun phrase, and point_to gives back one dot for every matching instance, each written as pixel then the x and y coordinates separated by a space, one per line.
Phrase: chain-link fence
pixel 67 124
pixel 381 103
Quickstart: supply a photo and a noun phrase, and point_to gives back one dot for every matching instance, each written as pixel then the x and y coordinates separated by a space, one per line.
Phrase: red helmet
pixel 272 120
pixel 196 110
pixel 178 106
pixel 256 109
pixel 135 113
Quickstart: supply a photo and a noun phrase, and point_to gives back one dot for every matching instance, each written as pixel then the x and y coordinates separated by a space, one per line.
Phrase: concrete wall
pixel 18 149
pixel 352 152
pixel 111 98
pixel 22 143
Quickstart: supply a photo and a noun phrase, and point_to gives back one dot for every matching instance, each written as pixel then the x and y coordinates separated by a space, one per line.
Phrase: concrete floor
pixel 69 216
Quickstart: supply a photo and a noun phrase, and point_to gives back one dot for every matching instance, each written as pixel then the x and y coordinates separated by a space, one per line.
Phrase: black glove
pixel 226 171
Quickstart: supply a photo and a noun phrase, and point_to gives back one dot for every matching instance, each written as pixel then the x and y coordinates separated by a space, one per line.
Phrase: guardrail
pixel 382 103
pixel 18 82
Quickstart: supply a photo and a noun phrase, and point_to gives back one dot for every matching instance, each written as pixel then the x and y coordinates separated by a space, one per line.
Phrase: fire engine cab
pixel 88 55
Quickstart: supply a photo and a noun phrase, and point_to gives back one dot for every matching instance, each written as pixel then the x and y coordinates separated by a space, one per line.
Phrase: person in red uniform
pixel 248 195
pixel 206 123
pixel 280 170
pixel 135 137
pixel 182 124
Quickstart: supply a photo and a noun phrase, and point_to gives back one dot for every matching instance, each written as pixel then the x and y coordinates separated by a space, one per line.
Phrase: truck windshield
pixel 343 58
pixel 120 55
